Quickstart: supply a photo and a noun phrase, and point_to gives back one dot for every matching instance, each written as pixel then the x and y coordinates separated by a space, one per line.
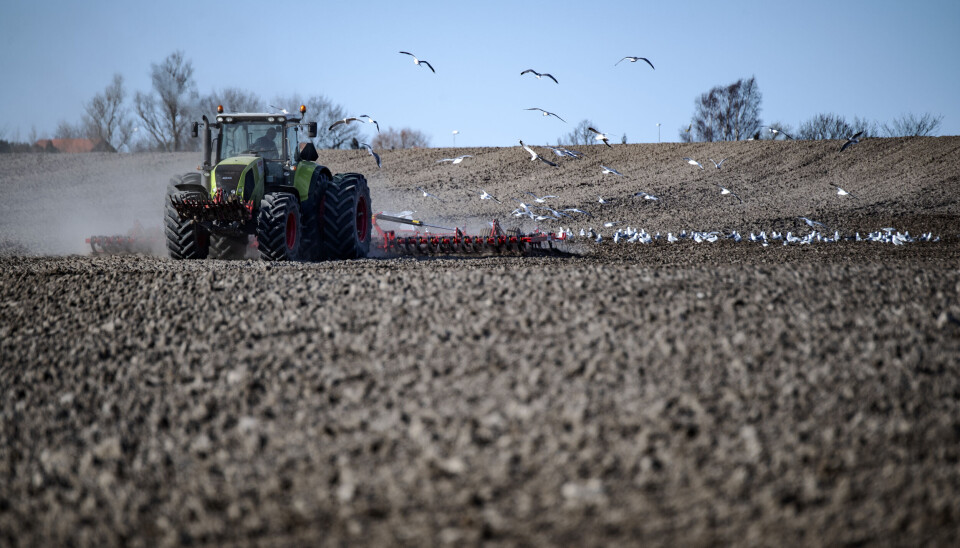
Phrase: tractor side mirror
pixel 312 130
pixel 195 132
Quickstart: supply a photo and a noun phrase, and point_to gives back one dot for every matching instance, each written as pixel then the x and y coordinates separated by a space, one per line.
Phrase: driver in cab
pixel 266 146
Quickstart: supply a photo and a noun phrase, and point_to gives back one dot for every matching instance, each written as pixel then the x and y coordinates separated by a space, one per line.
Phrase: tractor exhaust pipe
pixel 205 147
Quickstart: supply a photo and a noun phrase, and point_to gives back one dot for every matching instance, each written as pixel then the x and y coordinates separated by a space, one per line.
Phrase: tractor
pixel 259 179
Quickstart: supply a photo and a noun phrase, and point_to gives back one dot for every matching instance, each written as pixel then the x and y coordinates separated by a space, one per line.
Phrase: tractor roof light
pixel 219 109
pixel 303 109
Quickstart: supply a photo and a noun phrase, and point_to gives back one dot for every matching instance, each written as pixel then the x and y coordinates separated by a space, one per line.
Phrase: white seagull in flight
pixel 484 195
pixel 634 60
pixel 693 162
pixel 560 151
pixel 344 121
pixel 427 194
pixel 776 132
pixel 646 196
pixel 842 192
pixel 539 74
pixel 370 120
pixel 606 170
pixel 811 223
pixel 601 137
pixel 372 153
pixel 540 199
pixel 718 164
pixel 851 141
pixel 535 156
pixel 419 61
pixel 724 190
pixel 547 113
pixel 456 160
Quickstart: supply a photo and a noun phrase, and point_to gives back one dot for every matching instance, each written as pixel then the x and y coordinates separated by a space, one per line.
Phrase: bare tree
pixel 579 136
pixel 165 113
pixel 727 113
pixel 402 138
pixel 232 100
pixel 324 112
pixel 834 126
pixel 66 130
pixel 911 125
pixel 105 116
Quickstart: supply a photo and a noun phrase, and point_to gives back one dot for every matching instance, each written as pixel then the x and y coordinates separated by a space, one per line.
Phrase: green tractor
pixel 258 179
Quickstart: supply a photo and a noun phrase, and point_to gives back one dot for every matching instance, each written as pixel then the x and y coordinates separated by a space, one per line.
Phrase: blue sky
pixel 875 59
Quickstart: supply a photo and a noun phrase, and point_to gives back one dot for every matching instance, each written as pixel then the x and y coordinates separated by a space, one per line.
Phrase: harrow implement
pixel 222 208
pixel 455 241
pixel 137 240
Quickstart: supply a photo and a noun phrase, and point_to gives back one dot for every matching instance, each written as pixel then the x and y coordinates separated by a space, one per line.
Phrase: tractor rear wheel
pixel 346 218
pixel 228 247
pixel 310 213
pixel 186 239
pixel 279 227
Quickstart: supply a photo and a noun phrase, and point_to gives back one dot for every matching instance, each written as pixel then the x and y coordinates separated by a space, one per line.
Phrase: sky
pixel 873 59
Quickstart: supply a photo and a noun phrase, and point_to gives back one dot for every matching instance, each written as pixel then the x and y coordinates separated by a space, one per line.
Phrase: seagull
pixel 688 128
pixel 456 160
pixel 535 156
pixel 810 223
pixel 372 153
pixel 842 192
pixel 718 164
pixel 344 121
pixel 283 110
pixel 728 191
pixel 547 113
pixel 601 137
pixel 777 132
pixel 554 212
pixel 540 199
pixel 560 151
pixel 427 194
pixel 575 210
pixel 370 120
pixel 611 224
pixel 484 195
pixel 539 75
pixel 634 60
pixel 693 162
pixel 606 170
pixel 851 141
pixel 646 196
pixel 419 61
pixel 601 201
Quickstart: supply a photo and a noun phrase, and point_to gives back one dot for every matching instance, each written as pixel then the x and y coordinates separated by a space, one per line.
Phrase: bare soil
pixel 664 394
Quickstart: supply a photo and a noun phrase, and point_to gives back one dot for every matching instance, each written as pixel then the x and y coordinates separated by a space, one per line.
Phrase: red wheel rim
pixel 362 220
pixel 291 230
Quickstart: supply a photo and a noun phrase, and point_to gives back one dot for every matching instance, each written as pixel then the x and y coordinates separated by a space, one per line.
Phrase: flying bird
pixel 601 137
pixel 547 113
pixel 456 160
pixel 576 210
pixel 842 192
pixel 851 141
pixel 484 195
pixel 370 121
pixel 535 156
pixel 540 199
pixel 344 121
pixel 604 169
pixel 560 151
pixel 811 223
pixel 646 196
pixel 427 194
pixel 372 153
pixel 602 201
pixel 419 61
pixel 718 164
pixel 693 162
pixel 283 110
pixel 728 191
pixel 777 132
pixel 634 60
pixel 539 74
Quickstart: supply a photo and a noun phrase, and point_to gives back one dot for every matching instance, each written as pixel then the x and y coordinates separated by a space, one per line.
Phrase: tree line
pixel 159 119
pixel 732 113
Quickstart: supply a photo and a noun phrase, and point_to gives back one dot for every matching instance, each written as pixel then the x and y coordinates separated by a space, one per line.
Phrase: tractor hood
pixel 240 174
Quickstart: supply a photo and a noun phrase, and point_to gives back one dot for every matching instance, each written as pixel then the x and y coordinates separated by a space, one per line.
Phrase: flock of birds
pixel 539 211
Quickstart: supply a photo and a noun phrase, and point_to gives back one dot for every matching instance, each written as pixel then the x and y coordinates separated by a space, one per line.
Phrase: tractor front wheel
pixel 278 227
pixel 186 239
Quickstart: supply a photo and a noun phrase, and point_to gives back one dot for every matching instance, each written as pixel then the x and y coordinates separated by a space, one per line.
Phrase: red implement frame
pixel 411 242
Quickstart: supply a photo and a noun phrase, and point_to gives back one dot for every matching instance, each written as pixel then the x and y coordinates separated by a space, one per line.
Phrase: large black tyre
pixel 310 213
pixel 279 227
pixel 346 218
pixel 228 247
pixel 185 238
